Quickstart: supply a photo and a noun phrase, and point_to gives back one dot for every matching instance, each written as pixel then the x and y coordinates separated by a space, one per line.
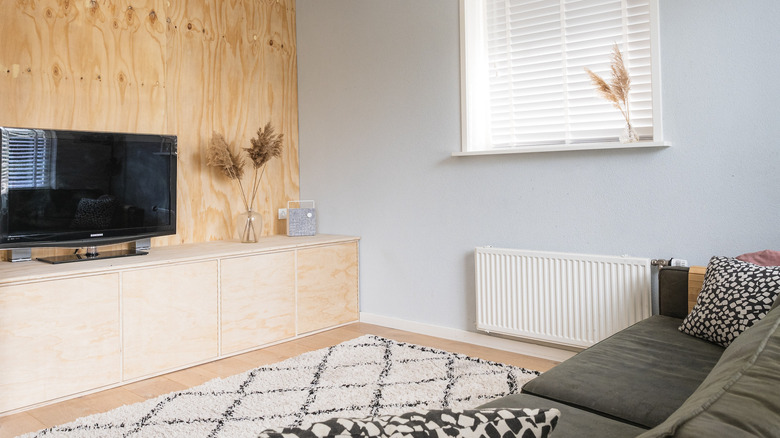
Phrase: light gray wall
pixel 379 117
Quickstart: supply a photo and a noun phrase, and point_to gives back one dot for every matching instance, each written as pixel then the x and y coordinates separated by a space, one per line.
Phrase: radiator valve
pixel 671 262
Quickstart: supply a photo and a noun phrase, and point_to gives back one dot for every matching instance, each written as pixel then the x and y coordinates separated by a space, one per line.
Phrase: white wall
pixel 379 118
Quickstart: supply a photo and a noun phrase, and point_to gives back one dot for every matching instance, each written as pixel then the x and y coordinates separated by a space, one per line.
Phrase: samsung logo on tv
pixel 96 235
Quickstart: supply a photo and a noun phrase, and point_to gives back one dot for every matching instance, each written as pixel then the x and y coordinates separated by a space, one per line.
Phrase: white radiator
pixel 568 299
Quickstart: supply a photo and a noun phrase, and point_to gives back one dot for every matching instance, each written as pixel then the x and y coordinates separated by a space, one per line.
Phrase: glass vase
pixel 249 226
pixel 629 134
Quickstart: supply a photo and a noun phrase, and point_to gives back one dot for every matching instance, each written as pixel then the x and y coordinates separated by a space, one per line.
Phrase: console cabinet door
pixel 327 286
pixel 169 317
pixel 58 338
pixel 258 300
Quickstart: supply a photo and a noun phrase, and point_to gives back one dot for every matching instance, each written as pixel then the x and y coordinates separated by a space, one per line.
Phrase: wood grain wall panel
pixel 190 63
pixel 179 67
pixel 228 75
pixel 44 335
pixel 82 65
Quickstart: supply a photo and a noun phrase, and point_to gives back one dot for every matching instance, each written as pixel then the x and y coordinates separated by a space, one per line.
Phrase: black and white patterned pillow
pixel 525 423
pixel 735 295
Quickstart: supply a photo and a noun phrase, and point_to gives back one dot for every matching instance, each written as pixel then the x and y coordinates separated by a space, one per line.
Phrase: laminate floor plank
pixel 63 412
pixel 111 399
pixel 194 376
pixel 17 424
pixel 228 367
pixel 263 357
pixel 153 387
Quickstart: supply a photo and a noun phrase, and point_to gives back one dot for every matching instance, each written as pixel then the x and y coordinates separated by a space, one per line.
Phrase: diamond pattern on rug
pixel 366 376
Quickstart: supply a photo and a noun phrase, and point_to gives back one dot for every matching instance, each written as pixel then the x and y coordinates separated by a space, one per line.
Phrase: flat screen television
pixel 85 189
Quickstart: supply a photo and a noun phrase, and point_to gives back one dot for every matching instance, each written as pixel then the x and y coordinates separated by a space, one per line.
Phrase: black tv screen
pixel 83 189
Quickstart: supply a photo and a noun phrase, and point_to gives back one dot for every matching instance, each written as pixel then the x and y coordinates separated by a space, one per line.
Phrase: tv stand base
pixel 91 255
pixel 21 255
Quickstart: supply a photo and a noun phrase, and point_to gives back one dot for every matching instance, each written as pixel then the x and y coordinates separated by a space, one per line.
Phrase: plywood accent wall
pixel 184 67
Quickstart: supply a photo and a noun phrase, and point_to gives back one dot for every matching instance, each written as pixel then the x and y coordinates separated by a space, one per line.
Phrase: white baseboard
pixel 520 347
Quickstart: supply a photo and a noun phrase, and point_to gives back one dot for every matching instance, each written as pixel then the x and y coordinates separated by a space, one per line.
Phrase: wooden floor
pixel 66 411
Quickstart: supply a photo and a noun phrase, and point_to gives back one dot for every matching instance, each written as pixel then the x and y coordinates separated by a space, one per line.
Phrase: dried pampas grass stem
pixel 617 90
pixel 265 146
pixel 220 156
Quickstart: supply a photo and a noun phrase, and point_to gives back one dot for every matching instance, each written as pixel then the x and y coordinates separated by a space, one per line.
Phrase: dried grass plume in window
pixel 617 91
pixel 264 147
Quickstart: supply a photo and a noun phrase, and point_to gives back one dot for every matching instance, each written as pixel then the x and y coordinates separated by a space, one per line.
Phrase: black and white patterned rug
pixel 366 376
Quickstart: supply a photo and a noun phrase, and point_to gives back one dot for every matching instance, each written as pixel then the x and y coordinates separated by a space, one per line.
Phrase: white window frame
pixel 474 83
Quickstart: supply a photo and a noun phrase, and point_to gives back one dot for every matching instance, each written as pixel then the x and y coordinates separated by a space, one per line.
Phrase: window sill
pixel 565 147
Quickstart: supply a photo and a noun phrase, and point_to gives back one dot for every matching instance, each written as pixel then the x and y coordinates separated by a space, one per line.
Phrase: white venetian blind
pixel 27 158
pixel 538 91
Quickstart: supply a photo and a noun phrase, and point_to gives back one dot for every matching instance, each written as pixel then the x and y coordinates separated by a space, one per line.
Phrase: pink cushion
pixel 766 257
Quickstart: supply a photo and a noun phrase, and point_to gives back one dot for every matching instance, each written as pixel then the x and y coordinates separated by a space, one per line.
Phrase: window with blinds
pixel 27 159
pixel 525 84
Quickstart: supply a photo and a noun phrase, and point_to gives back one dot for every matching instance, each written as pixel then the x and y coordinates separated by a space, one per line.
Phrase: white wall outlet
pixel 282 213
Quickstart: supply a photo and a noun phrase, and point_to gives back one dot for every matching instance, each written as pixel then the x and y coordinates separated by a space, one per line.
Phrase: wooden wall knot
pixel 56 73
pixel 122 79
pixel 276 44
pixel 153 17
pixel 93 7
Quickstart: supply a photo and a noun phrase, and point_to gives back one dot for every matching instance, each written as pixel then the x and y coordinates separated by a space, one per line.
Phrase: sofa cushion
pixel 640 374
pixel 740 397
pixel 766 257
pixel 505 422
pixel 574 422
pixel 735 295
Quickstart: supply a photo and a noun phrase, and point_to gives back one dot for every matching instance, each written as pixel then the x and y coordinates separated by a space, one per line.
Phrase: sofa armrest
pixel 673 291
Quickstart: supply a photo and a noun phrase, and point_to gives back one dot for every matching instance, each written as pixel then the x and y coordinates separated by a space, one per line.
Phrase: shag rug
pixel 366 376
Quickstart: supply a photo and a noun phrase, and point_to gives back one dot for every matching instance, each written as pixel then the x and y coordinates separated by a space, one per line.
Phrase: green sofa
pixel 651 380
